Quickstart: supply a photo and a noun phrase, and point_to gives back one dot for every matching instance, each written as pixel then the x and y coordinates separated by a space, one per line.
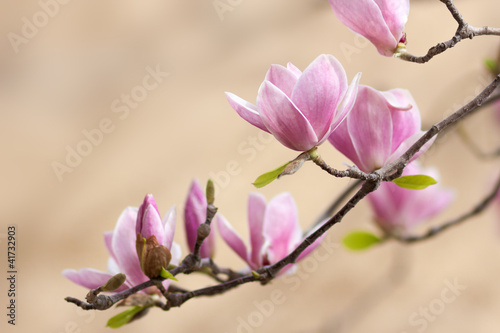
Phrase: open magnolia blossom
pixel 398 210
pixel 380 21
pixel 379 129
pixel 121 244
pixel 195 213
pixel 301 109
pixel 274 231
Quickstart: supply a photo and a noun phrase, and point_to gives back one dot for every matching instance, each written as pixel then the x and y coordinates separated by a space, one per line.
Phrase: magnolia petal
pixel 395 13
pixel 405 115
pixel 291 67
pixel 246 110
pixel 282 78
pixel 284 120
pixel 319 91
pixel 194 212
pixel 281 226
pixel 152 224
pixel 123 244
pixel 256 211
pixel 148 201
pixel 346 105
pixel 113 267
pixel 365 18
pixel 169 222
pixel 231 237
pixel 108 241
pixel 370 128
pixel 341 140
pixel 405 145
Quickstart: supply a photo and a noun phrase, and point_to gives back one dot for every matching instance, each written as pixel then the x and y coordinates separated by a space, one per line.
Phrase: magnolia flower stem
pixel 479 208
pixel 352 172
pixel 464 31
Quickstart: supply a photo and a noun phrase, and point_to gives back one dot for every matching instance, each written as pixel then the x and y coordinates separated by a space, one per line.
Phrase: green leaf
pixel 167 275
pixel 123 317
pixel 416 182
pixel 359 240
pixel 268 177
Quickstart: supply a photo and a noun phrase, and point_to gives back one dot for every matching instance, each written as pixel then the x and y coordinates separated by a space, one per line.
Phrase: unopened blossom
pixel 380 21
pixel 379 129
pixel 121 245
pixel 195 212
pixel 274 231
pixel 301 109
pixel 398 210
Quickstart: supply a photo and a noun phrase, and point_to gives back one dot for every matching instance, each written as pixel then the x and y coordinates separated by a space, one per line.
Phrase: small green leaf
pixel 359 240
pixel 167 275
pixel 491 65
pixel 123 317
pixel 255 274
pixel 416 182
pixel 268 177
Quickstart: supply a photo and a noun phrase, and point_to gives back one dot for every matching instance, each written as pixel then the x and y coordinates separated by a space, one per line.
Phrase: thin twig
pixel 464 31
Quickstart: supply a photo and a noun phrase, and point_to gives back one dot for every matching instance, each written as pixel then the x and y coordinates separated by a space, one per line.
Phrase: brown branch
pixel 464 31
pixel 479 208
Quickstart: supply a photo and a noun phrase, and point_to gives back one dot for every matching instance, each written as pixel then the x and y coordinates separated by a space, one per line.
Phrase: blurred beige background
pixel 63 80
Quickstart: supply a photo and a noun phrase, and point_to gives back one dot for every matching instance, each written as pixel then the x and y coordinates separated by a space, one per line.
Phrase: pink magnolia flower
pixel 195 213
pixel 274 231
pixel 380 21
pixel 301 109
pixel 121 244
pixel 379 129
pixel 399 210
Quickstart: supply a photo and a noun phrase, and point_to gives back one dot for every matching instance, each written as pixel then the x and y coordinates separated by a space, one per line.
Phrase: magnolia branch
pixel 464 31
pixel 267 273
pixel 479 208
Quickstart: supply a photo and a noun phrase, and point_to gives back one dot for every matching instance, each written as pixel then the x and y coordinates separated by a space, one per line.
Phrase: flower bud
pixel 152 256
pixel 114 283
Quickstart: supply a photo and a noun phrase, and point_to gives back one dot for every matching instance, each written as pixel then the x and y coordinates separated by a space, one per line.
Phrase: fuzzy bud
pixel 152 256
